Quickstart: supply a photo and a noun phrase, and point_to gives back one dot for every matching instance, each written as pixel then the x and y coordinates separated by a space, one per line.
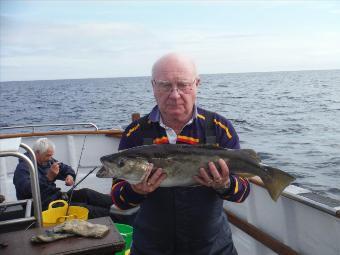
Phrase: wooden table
pixel 18 242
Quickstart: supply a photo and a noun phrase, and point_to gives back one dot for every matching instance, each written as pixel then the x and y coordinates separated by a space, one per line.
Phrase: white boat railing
pixel 32 167
pixel 33 127
pixel 317 201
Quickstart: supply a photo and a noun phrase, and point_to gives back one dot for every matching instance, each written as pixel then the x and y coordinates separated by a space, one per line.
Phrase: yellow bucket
pixel 56 215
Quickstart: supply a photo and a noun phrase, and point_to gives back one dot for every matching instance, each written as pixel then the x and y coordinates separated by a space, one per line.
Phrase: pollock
pixel 181 162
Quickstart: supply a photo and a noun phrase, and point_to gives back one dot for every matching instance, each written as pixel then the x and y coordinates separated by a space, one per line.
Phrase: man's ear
pixel 37 156
pixel 198 82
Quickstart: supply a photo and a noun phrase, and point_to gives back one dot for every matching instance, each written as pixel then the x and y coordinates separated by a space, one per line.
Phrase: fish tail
pixel 276 181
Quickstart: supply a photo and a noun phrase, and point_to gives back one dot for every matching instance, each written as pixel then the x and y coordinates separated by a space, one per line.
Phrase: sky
pixel 54 39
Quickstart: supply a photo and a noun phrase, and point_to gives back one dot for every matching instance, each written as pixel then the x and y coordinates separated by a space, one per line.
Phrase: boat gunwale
pixel 33 126
pixel 108 132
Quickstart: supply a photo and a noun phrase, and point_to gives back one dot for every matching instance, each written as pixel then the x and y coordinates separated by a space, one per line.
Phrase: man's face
pixel 175 89
pixel 44 158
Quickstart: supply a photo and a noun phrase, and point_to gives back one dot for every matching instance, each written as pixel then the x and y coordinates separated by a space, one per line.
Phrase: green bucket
pixel 126 232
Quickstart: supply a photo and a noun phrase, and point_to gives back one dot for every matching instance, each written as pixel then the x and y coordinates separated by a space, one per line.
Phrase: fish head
pixel 131 169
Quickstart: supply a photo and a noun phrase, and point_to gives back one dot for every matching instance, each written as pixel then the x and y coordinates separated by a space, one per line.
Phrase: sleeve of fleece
pixel 225 133
pixel 64 171
pixel 122 194
pixel 22 181
pixel 228 138
pixel 238 191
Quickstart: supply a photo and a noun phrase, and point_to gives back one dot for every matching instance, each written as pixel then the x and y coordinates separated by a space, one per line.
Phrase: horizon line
pixel 140 76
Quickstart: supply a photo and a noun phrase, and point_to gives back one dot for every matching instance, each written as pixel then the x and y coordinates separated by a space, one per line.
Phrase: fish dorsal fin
pixel 252 154
pixel 208 146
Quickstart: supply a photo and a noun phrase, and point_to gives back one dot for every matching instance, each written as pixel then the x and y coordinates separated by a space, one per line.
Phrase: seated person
pixel 50 170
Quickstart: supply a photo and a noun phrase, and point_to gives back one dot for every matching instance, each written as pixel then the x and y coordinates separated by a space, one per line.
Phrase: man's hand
pixel 53 171
pixel 69 181
pixel 214 178
pixel 150 181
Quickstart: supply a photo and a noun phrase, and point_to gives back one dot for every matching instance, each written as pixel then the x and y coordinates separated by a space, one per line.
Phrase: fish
pixel 69 228
pixel 181 162
pixel 49 236
pixel 82 228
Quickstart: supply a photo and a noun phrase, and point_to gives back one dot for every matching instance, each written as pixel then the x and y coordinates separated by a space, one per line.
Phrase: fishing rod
pixel 74 186
pixel 72 189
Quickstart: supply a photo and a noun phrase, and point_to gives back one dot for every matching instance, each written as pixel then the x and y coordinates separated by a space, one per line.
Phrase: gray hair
pixel 42 145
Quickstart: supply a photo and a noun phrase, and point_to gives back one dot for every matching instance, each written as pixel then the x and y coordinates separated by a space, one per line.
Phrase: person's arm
pixel 64 171
pixel 225 133
pixel 123 196
pixel 22 181
pixel 239 187
pixel 228 186
pixel 237 191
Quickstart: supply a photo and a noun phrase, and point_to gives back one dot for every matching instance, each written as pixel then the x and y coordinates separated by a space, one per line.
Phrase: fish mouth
pixel 103 173
pixel 100 172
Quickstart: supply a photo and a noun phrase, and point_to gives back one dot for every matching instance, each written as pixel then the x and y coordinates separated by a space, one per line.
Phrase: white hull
pixel 306 226
pixel 300 226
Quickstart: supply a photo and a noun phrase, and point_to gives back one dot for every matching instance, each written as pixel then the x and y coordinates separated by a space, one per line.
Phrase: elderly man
pixel 181 220
pixel 50 170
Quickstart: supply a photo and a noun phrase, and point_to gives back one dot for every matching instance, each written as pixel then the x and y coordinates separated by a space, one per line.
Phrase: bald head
pixel 175 82
pixel 174 63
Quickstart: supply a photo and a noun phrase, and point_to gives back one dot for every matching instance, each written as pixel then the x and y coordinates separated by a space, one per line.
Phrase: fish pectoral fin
pixel 209 146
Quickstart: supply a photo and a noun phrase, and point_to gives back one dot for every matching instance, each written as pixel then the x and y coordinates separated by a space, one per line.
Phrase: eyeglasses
pixel 166 86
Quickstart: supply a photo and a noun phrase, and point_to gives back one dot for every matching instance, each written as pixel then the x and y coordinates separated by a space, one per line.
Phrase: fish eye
pixel 121 163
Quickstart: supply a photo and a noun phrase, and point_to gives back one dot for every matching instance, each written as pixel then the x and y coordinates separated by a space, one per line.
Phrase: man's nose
pixel 174 92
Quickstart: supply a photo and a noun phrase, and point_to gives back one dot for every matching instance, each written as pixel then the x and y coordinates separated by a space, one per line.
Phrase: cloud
pixel 70 39
pixel 82 49
pixel 36 49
